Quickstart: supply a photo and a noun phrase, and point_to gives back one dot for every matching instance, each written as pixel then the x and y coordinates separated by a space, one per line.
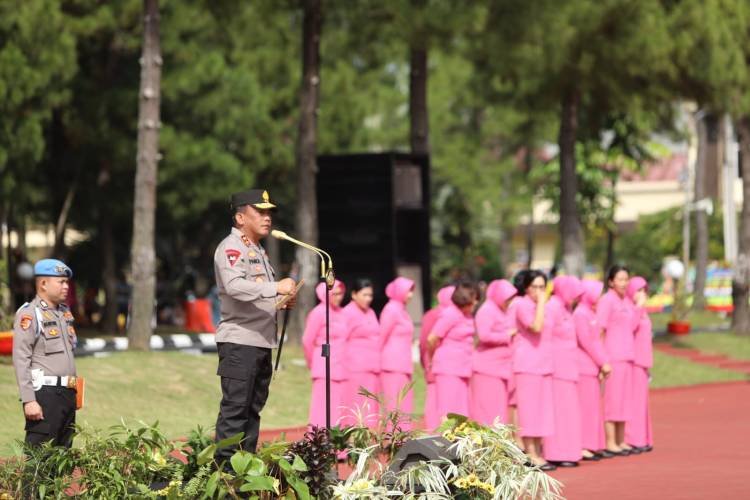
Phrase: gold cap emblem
pixel 266 198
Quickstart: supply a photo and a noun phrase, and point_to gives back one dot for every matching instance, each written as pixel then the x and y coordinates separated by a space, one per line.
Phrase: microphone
pixel 327 274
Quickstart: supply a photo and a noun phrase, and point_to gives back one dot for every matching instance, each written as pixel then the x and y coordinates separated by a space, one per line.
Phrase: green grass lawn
pixel 179 390
pixel 698 319
pixel 732 345
pixel 182 391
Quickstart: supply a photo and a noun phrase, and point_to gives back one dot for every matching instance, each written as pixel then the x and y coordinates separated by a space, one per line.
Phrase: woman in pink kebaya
pixel 396 333
pixel 563 447
pixel 313 338
pixel 593 366
pixel 431 416
pixel 492 361
pixel 451 343
pixel 362 354
pixel 616 314
pixel 638 428
pixel 533 365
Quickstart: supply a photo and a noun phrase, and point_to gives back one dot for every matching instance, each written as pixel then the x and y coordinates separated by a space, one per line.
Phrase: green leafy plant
pixel 102 465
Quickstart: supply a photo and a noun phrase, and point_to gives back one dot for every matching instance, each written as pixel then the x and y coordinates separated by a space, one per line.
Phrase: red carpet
pixel 701 451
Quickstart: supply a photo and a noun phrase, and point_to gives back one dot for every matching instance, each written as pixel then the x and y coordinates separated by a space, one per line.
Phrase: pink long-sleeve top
pixel 396 329
pixel 314 336
pixel 643 354
pixel 532 352
pixel 617 316
pixel 456 333
pixel 363 344
pixel 591 352
pixel 564 343
pixel 429 319
pixel 493 354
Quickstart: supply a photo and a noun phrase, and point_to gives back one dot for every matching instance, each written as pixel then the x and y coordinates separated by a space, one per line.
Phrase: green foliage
pixel 111 465
pixel 37 59
pixel 659 235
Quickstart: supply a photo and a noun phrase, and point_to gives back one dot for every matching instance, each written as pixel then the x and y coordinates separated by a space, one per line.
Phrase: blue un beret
pixel 52 267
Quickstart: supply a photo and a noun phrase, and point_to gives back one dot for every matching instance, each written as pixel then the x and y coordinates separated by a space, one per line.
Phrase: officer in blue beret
pixel 43 342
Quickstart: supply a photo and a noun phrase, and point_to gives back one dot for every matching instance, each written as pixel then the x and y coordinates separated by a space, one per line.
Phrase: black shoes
pixel 593 458
pixel 605 454
pixel 547 467
pixel 565 463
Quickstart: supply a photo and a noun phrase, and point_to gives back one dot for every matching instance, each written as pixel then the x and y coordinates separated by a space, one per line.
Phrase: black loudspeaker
pixel 421 450
pixel 374 220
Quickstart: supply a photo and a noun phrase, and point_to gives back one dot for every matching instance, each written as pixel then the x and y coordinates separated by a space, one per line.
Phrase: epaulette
pixel 25 304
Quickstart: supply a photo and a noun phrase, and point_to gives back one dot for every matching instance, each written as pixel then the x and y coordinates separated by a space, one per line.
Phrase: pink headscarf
pixel 320 290
pixel 568 288
pixel 635 284
pixel 399 288
pixel 592 290
pixel 499 291
pixel 444 295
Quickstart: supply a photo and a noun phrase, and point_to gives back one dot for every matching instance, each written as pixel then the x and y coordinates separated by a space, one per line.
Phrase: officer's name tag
pixel 253 261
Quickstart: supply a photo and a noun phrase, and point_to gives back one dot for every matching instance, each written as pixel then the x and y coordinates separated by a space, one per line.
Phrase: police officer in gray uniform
pixel 248 292
pixel 43 342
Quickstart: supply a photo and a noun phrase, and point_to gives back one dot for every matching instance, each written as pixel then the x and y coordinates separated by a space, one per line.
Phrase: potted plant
pixel 679 325
pixel 6 334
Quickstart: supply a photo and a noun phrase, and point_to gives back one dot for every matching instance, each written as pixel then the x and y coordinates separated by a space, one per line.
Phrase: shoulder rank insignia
pixel 232 256
pixel 54 332
pixel 25 322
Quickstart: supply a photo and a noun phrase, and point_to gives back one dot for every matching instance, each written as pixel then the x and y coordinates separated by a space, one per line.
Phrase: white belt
pixel 66 381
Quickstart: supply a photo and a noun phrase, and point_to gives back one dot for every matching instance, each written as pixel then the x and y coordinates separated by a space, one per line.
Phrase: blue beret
pixel 52 267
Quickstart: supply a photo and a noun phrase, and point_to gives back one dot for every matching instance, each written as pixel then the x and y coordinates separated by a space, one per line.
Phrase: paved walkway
pixel 702 451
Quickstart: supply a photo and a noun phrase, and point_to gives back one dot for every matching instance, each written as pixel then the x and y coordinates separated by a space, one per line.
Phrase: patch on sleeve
pixel 232 256
pixel 25 321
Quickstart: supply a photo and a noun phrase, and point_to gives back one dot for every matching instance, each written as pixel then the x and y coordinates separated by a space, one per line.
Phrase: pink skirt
pixel 592 416
pixel 391 384
pixel 638 429
pixel 618 392
pixel 512 390
pixel 431 416
pixel 564 445
pixel 488 399
pixel 318 402
pixel 535 403
pixel 361 409
pixel 452 395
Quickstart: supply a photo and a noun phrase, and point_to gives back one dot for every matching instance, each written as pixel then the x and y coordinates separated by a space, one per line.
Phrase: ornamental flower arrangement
pixel 489 465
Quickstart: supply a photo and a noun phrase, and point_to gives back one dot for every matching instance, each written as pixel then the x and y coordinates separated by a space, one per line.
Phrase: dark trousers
pixel 245 373
pixel 59 410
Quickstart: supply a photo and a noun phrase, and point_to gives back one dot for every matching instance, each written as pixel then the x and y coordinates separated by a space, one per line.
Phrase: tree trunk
pixel 306 217
pixel 707 133
pixel 143 257
pixel 419 125
pixel 611 225
pixel 62 218
pixel 741 280
pixel 571 232
pixel 529 164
